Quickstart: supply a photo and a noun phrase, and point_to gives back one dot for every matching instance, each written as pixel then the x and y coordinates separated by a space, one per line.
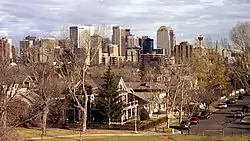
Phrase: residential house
pixel 151 97
pixel 93 85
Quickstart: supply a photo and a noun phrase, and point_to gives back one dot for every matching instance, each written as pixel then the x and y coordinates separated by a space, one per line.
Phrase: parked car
pixel 236 99
pixel 230 101
pixel 185 125
pixel 245 121
pixel 238 114
pixel 194 120
pixel 246 108
pixel 247 93
pixel 241 97
pixel 222 105
pixel 205 115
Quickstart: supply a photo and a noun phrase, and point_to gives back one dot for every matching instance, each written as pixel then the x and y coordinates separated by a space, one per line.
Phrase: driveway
pixel 221 120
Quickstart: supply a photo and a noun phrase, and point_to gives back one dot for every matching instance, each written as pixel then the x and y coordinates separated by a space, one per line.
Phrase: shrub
pixel 144 115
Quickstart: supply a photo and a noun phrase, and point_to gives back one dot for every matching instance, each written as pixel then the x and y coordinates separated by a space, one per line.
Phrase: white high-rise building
pixel 166 39
pixel 81 35
pixel 118 38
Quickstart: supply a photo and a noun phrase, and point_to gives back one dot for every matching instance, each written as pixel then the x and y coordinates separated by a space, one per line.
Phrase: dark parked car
pixel 185 125
pixel 246 108
pixel 194 120
pixel 241 97
pixel 230 101
pixel 205 115
pixel 247 93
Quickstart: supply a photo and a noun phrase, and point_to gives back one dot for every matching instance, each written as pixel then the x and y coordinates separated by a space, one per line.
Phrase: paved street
pixel 220 121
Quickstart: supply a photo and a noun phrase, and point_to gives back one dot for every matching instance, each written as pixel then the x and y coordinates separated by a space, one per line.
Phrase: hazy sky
pixel 188 18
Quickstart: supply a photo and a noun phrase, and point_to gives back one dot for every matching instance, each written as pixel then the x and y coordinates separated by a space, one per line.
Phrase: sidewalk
pixel 141 133
pixel 163 125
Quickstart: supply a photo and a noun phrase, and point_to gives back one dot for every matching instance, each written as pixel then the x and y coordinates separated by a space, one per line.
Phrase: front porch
pixel 130 112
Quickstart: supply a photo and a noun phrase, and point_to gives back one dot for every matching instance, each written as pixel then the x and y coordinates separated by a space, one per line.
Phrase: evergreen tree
pixel 110 105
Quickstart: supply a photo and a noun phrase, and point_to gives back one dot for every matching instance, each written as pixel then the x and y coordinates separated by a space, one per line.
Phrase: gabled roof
pixel 138 86
pixel 96 82
pixel 151 97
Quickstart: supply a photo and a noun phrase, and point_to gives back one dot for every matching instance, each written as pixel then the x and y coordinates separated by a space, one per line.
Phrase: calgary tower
pixel 200 39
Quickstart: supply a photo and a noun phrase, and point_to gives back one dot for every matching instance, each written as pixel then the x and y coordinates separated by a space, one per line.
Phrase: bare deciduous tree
pixel 74 68
pixel 9 83
pixel 10 79
pixel 49 86
pixel 240 37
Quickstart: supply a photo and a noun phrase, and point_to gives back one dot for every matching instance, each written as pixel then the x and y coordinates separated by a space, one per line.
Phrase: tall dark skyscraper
pixel 147 45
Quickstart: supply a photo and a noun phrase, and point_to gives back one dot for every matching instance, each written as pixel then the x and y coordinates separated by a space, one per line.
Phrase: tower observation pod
pixel 200 39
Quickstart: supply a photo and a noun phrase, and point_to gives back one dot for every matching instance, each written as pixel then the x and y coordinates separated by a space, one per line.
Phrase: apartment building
pixel 133 55
pixel 183 53
pixel 47 49
pixel 111 56
pixel 6 49
pixel 29 49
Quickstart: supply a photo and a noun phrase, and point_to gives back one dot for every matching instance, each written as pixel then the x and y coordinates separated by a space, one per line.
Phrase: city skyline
pixel 187 18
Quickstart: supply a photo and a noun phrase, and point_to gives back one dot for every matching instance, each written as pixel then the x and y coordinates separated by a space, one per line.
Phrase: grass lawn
pixel 141 138
pixel 246 118
pixel 28 133
pixel 207 138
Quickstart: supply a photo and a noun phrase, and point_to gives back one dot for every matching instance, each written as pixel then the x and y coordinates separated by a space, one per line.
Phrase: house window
pixel 120 86
pixel 124 98
pixel 26 83
pixel 129 112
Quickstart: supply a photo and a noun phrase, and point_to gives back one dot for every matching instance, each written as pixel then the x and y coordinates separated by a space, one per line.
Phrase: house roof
pixel 138 86
pixel 152 97
pixel 96 82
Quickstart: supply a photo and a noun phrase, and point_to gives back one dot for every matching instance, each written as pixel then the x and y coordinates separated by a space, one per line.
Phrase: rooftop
pixel 164 28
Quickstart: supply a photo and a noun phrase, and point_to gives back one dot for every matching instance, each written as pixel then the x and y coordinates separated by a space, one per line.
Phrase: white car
pixel 222 105
pixel 238 114
pixel 245 121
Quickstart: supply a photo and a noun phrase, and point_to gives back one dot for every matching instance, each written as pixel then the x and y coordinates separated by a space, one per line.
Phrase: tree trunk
pixel 168 122
pixel 85 113
pixel 4 112
pixel 109 121
pixel 181 106
pixel 44 122
pixel 180 114
pixel 167 111
pixel 4 119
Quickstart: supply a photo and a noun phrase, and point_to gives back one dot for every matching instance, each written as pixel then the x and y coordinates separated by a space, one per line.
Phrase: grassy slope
pixel 27 133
